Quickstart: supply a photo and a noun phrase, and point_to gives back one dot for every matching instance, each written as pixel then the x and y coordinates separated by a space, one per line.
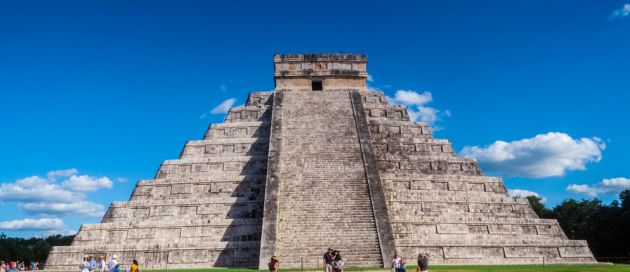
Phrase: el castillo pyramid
pixel 319 162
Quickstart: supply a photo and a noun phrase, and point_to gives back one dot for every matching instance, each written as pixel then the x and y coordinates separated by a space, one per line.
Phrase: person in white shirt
pixel 84 265
pixel 112 263
pixel 397 263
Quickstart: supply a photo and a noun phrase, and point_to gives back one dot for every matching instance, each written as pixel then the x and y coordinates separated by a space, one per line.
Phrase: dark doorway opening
pixel 317 85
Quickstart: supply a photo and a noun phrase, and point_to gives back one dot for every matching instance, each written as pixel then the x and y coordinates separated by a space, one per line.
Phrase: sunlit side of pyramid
pixel 320 162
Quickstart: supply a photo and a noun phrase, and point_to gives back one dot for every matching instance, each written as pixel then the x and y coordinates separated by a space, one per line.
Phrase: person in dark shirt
pixel 328 259
pixel 423 263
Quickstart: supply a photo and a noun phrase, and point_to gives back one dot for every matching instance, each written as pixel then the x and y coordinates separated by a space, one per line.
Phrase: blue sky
pixel 106 90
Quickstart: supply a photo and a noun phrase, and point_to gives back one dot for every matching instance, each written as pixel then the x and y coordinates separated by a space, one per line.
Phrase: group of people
pixel 89 264
pixel 333 262
pixel 399 265
pixel 14 266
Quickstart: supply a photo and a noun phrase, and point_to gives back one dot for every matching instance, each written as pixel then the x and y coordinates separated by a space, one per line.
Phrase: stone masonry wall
pixel 201 210
pixel 441 204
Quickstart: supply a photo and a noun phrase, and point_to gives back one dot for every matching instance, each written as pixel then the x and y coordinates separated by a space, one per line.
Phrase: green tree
pixel 539 207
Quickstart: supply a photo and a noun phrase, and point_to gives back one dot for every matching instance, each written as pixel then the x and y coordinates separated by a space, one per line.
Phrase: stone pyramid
pixel 319 162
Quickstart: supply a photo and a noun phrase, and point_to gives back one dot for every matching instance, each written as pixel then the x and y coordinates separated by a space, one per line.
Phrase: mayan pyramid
pixel 319 162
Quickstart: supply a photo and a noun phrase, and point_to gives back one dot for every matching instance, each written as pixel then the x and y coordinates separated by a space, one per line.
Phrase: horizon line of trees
pixel 30 249
pixel 606 228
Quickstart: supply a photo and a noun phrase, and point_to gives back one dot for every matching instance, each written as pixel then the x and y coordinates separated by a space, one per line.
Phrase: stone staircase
pixel 324 199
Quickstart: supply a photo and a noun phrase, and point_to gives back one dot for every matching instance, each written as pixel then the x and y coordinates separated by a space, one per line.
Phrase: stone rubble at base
pixel 266 181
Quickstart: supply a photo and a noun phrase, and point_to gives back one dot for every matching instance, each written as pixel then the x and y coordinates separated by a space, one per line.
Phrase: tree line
pixel 606 228
pixel 30 249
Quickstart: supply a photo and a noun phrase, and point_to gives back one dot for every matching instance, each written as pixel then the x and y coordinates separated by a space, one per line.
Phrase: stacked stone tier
pixel 201 210
pixel 441 204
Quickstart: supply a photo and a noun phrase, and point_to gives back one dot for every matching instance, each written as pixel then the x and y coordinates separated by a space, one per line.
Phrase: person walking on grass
pixel 274 264
pixel 423 263
pixel 111 266
pixel 134 266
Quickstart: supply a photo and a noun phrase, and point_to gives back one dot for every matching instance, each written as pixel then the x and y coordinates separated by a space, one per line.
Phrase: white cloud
pixel 606 186
pixel 416 106
pixel 545 155
pixel 622 12
pixel 26 224
pixel 520 193
pixel 62 173
pixel 54 196
pixel 370 78
pixel 85 183
pixel 36 189
pixel 224 107
pixel 121 179
pixel 82 208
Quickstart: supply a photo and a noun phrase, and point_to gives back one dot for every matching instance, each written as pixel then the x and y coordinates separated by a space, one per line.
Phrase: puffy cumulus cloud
pixel 621 13
pixel 62 173
pixel 417 108
pixel 54 195
pixel 224 107
pixel 606 186
pixel 82 208
pixel 520 193
pixel 86 183
pixel 36 189
pixel 26 224
pixel 545 155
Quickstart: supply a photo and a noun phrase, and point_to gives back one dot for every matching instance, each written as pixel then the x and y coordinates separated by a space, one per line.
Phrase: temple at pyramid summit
pixel 319 162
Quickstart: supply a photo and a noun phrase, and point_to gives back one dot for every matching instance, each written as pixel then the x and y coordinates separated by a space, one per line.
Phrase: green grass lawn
pixel 453 268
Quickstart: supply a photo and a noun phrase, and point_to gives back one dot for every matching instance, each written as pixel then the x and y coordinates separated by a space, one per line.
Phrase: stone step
pixel 248 114
pixel 259 99
pixel 238 130
pixel 494 242
pixel 225 147
pixel 474 219
pixel 202 180
pixel 178 222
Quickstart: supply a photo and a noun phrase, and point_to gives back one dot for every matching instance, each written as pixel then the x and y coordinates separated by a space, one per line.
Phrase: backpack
pixel 337 264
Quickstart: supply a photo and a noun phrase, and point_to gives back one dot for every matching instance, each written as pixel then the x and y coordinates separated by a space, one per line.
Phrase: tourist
pixel 337 262
pixel 34 265
pixel 274 264
pixel 423 263
pixel 100 264
pixel 134 266
pixel 396 263
pixel 92 262
pixel 85 265
pixel 12 267
pixel 3 267
pixel 112 263
pixel 328 259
